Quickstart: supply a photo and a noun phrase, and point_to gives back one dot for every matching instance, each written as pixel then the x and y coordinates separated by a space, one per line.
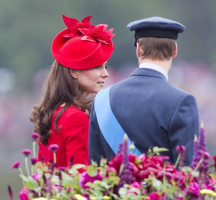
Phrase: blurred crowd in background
pixel 26 32
pixel 15 126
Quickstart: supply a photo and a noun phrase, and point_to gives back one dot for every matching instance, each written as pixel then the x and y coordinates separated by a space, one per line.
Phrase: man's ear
pixel 138 50
pixel 175 52
pixel 74 73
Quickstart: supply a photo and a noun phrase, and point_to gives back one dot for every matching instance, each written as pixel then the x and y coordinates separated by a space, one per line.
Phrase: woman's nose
pixel 105 73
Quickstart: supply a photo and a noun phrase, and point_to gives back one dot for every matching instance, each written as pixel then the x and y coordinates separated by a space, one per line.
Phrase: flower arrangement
pixel 125 177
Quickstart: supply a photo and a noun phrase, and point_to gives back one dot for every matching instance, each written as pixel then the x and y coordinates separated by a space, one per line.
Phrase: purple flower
pixel 126 176
pixel 26 152
pixel 201 158
pixel 202 144
pixel 16 165
pixel 34 161
pixel 36 177
pixel 120 149
pixel 53 147
pixel 23 195
pixel 196 154
pixel 85 178
pixel 35 136
pixel 200 151
pixel 10 192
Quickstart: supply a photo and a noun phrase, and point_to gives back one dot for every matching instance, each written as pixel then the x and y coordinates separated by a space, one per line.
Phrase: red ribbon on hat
pixel 98 33
pixel 89 32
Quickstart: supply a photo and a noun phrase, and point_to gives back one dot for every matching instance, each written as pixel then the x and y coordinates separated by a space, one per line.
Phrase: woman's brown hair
pixel 156 48
pixel 60 89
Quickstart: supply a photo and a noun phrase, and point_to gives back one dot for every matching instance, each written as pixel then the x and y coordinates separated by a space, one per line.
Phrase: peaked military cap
pixel 158 27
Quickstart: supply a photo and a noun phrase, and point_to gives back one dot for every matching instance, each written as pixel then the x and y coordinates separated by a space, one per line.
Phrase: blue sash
pixel 109 125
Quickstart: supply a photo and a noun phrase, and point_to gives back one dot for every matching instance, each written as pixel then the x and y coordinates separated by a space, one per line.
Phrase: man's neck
pixel 164 64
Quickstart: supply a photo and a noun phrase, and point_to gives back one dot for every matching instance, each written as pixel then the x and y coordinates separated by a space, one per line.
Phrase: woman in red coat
pixel 81 52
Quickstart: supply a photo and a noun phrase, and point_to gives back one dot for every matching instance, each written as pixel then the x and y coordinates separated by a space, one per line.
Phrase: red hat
pixel 82 45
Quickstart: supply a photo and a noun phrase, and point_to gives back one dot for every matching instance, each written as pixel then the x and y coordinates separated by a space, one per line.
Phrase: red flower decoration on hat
pixel 97 34
pixel 74 25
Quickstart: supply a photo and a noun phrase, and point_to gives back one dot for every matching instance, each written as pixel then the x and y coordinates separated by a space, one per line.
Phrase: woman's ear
pixel 74 73
pixel 175 52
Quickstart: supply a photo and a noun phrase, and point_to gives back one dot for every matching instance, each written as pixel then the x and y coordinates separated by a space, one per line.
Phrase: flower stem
pixel 26 165
pixel 177 161
pixel 21 173
pixel 32 169
pixel 34 149
pixel 54 157
pixel 196 168
pixel 199 163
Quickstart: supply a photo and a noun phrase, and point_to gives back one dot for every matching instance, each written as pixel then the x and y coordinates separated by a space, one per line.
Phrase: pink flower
pixel 35 136
pixel 16 165
pixel 136 184
pixel 155 196
pixel 26 152
pixel 179 198
pixel 212 181
pixel 142 166
pixel 181 148
pixel 36 177
pixel 214 158
pixel 53 147
pixel 85 178
pixel 144 191
pixel 69 189
pixel 206 155
pixel 56 187
pixel 62 168
pixel 23 195
pixel 115 163
pixel 193 189
pixel 34 161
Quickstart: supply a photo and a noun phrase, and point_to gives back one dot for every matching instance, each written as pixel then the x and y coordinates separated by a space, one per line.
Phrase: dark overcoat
pixel 152 112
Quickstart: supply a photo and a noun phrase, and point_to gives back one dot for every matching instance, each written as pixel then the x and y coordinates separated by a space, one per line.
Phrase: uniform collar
pixel 154 67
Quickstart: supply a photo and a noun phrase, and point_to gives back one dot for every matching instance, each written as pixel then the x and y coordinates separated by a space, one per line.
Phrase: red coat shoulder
pixel 72 138
pixel 75 126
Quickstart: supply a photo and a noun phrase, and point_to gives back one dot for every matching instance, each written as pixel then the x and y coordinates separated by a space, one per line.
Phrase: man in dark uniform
pixel 145 106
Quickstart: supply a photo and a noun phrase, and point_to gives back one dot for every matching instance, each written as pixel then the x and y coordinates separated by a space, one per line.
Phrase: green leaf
pixel 92 171
pixel 157 150
pixel 31 184
pixel 69 181
pixel 55 179
pixel 24 178
pixel 195 173
pixel 187 169
pixel 116 180
pixel 74 168
pixel 103 184
pixel 156 184
pixel 122 191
